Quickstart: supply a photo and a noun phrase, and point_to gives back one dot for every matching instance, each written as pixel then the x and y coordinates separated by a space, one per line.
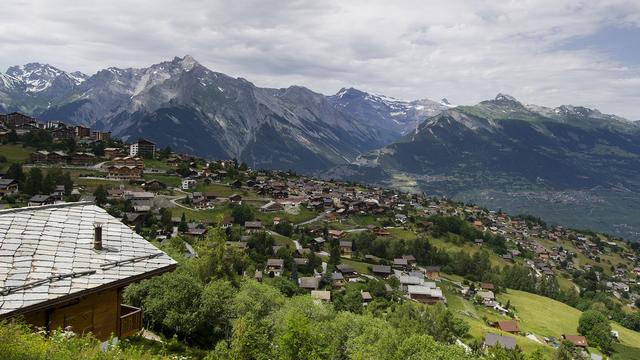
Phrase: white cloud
pixel 466 51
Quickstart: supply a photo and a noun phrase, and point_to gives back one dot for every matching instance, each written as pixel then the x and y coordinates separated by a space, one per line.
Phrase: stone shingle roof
pixel 47 254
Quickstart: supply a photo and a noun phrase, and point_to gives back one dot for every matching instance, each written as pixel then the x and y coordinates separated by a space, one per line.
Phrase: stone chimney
pixel 97 236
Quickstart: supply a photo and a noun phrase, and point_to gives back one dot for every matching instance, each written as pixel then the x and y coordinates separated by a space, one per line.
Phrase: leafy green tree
pixel 33 183
pixel 101 195
pixel 242 213
pixel 15 172
pixel 171 302
pixel 595 326
pixel 183 227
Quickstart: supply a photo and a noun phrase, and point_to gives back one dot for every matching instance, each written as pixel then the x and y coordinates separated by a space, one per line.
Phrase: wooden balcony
pixel 130 320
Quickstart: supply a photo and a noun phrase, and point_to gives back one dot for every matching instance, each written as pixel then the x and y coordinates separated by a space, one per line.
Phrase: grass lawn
pixel 222 190
pixel 402 234
pixel 360 267
pixel 468 247
pixel 547 317
pixel 157 164
pixel 169 180
pixel 14 153
pixel 304 214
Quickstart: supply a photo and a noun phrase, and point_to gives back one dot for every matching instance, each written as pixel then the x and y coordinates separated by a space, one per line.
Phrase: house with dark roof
pixel 506 342
pixel 66 265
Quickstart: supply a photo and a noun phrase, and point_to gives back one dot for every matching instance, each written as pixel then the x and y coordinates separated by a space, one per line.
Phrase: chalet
pixel 236 184
pixel 321 295
pixel 37 200
pixel 24 129
pixel 82 159
pixel 346 270
pixel 432 272
pixel 227 222
pixel 491 340
pixel 309 283
pixel 400 263
pixel 487 298
pixel 411 260
pixel 235 198
pixel 366 297
pixel 337 279
pixel 125 172
pixel 274 267
pixel 510 326
pixel 252 226
pixel 381 270
pixel 487 286
pixel 336 234
pixel 346 249
pixel 406 281
pixel 271 206
pixel 576 340
pixel 75 272
pixel 8 187
pixel 154 185
pixel 112 153
pixel 425 294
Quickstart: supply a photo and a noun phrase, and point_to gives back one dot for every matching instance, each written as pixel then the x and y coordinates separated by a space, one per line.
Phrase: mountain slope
pixel 193 109
pixel 395 115
pixel 574 161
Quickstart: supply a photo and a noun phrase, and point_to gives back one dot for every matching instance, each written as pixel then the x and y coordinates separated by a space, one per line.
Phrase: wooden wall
pixel 97 313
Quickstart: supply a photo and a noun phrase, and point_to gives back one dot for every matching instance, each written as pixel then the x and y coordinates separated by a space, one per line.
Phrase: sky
pixel 545 52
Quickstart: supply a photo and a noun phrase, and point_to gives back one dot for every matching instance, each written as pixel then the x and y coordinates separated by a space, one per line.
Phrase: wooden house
pixel 74 274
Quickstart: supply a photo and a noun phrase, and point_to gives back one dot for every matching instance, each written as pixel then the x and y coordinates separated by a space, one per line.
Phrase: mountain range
pixel 183 104
pixel 570 163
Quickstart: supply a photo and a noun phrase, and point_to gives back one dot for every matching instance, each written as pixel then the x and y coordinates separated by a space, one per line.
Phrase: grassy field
pixel 360 267
pixel 158 164
pixel 547 317
pixel 477 317
pixel 225 191
pixel 14 154
pixel 304 214
pixel 468 247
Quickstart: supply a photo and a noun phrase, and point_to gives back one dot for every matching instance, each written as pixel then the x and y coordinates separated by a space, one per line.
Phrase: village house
pixel 124 172
pixel 381 270
pixel 74 274
pixel 37 200
pixel 432 272
pixel 321 295
pixel 252 226
pixel 346 249
pixel 309 283
pixel 274 267
pixel 506 342
pixel 8 187
pixel 510 326
pixel 576 340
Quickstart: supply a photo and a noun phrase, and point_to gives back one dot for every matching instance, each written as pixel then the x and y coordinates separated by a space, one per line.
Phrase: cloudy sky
pixel 548 52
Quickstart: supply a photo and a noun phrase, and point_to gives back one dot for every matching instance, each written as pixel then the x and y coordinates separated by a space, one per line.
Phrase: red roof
pixel 510 326
pixel 576 340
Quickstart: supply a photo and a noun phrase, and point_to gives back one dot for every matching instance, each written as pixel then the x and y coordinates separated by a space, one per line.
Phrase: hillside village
pixel 342 243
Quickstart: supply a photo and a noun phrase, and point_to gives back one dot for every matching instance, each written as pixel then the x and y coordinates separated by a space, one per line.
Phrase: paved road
pixel 317 218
